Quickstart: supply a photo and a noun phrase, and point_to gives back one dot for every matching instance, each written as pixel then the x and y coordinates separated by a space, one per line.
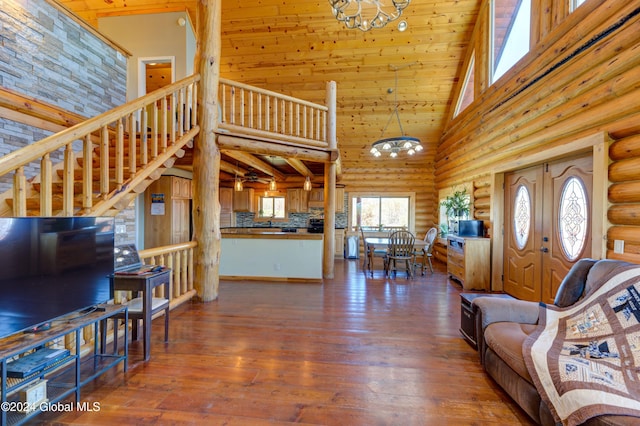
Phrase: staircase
pixel 106 161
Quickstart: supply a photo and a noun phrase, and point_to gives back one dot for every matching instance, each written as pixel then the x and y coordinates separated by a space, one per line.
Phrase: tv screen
pixel 50 267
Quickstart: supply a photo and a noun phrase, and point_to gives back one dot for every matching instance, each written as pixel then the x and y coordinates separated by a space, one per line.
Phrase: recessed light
pixel 402 25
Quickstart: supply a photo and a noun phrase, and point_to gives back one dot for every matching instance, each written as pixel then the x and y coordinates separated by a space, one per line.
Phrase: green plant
pixel 444 229
pixel 457 204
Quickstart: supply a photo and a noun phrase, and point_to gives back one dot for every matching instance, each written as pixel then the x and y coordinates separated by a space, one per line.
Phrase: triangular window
pixel 466 94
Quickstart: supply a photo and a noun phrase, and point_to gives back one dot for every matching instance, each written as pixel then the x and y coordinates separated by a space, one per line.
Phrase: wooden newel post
pixel 330 187
pixel 206 155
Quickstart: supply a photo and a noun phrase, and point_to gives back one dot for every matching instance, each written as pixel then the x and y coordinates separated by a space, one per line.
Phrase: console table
pixel 145 306
pixel 67 374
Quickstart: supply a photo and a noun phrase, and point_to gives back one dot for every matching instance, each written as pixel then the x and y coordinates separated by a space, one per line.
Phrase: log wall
pixel 383 180
pixel 624 198
pixel 580 79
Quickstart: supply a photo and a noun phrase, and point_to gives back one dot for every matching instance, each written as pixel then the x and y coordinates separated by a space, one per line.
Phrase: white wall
pixel 153 35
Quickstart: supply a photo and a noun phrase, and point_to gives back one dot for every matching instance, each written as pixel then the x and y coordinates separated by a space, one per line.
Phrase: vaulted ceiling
pixel 294 47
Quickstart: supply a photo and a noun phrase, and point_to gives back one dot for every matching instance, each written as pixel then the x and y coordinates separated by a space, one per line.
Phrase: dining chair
pixel 370 255
pixel 425 253
pixel 400 249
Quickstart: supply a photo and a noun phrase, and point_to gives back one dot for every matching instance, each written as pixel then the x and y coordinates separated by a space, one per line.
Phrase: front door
pixel 547 226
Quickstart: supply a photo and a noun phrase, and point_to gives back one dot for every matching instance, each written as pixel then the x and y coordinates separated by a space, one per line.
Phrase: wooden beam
pixel 254 162
pixel 299 166
pixel 328 262
pixel 279 148
pixel 206 155
pixel 225 166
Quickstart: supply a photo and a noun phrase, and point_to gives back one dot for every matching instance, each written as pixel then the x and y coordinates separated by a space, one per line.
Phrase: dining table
pixel 382 243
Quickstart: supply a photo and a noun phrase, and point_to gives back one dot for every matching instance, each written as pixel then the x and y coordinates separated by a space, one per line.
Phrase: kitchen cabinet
pixel 316 199
pixel 243 201
pixel 469 261
pixel 297 200
pixel 339 200
pixel 227 216
pixel 339 244
pixel 167 212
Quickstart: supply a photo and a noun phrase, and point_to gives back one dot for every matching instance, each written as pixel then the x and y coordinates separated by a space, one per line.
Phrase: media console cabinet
pixel 24 397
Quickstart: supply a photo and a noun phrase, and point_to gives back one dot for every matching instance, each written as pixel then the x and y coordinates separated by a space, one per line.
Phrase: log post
pixel 206 155
pixel 330 188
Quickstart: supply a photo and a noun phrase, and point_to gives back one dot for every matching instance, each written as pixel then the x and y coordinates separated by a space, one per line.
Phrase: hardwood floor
pixel 354 350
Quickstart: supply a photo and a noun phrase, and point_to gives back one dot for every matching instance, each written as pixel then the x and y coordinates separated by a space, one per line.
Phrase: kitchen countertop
pixel 274 235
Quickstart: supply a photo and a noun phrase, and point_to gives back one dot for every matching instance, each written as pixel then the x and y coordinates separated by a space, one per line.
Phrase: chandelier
pixel 393 146
pixel 367 14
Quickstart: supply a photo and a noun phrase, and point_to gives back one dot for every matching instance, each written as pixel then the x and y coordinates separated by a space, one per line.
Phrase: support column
pixel 206 155
pixel 330 187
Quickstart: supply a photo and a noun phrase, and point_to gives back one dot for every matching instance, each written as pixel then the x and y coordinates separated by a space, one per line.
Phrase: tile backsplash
pixel 296 220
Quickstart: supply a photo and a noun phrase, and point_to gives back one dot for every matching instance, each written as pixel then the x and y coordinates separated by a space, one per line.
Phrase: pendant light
pixel 272 183
pixel 237 186
pixel 307 184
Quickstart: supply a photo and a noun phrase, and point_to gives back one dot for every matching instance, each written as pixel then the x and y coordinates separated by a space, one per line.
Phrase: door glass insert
pixel 573 216
pixel 522 216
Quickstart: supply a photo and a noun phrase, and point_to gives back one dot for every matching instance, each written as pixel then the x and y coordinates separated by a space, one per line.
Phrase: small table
pixel 145 283
pixel 468 315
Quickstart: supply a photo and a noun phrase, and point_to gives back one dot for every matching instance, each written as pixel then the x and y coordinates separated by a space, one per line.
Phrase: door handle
pixel 544 249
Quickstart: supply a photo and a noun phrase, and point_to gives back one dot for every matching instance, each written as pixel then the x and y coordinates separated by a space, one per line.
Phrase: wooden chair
pixel 400 249
pixel 370 255
pixel 425 253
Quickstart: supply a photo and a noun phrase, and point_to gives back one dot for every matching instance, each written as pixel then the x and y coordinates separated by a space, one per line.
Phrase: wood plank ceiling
pixel 295 47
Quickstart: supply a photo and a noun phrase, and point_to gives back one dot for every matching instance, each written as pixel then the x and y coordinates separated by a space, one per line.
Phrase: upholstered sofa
pixel 502 325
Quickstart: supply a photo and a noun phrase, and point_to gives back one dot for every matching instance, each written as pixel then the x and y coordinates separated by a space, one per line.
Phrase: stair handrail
pixel 37 150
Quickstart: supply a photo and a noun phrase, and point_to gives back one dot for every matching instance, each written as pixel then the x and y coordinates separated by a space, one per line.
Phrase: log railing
pixel 116 152
pixel 178 257
pixel 257 112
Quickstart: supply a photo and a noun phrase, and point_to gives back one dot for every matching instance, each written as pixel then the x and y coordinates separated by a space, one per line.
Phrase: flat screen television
pixel 471 228
pixel 52 266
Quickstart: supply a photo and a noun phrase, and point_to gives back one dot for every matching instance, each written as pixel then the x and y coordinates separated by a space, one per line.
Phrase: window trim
pixel 258 200
pixel 410 195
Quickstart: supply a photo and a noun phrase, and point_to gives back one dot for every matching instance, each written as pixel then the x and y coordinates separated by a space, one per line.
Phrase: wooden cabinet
pixel 469 261
pixel 339 244
pixel 316 199
pixel 339 200
pixel 243 201
pixel 297 200
pixel 167 218
pixel 227 216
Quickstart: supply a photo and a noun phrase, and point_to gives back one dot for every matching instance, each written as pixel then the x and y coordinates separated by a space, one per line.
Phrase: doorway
pixel 547 225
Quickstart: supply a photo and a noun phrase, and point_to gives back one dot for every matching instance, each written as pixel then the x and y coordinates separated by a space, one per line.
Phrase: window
pixel 467 93
pixel 511 24
pixel 522 216
pixel 576 3
pixel 572 218
pixel 272 207
pixel 382 211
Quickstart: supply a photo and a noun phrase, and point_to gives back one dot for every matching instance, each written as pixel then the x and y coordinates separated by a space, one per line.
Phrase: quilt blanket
pixel 584 360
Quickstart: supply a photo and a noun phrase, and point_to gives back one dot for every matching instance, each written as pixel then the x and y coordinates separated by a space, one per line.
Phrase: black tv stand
pixel 65 372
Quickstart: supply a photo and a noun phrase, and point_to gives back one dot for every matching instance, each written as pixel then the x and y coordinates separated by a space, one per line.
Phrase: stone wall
pixel 47 55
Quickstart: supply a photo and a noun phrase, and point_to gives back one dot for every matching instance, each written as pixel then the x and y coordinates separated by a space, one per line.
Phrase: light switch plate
pixel 618 246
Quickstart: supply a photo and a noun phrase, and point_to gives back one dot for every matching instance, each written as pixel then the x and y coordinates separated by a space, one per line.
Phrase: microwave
pixel 471 228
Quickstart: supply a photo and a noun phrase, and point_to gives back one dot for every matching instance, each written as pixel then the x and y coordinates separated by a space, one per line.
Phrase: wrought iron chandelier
pixel 367 14
pixel 393 146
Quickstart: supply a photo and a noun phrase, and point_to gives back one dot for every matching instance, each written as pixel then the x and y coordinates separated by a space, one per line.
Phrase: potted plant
pixel 457 206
